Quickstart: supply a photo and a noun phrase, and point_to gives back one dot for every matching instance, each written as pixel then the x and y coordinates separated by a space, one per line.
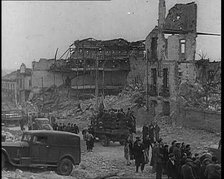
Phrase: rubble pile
pixel 201 139
pixel 194 95
pixel 68 109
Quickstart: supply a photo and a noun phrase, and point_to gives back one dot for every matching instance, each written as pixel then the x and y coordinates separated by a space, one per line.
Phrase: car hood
pixel 15 144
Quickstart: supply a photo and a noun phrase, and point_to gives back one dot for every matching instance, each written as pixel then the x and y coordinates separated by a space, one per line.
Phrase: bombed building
pixel 170 49
pixel 90 65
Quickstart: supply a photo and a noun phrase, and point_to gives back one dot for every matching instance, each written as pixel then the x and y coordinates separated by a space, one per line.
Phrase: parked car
pixel 42 124
pixel 44 148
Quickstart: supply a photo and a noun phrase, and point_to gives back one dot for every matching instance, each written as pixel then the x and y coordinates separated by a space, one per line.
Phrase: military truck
pixel 41 124
pixel 112 126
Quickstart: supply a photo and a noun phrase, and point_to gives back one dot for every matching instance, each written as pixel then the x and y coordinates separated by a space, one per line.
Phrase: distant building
pixel 17 85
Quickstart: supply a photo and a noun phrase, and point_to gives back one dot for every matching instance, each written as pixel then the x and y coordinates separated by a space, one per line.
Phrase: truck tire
pixel 3 161
pixel 122 141
pixel 65 167
pixel 104 141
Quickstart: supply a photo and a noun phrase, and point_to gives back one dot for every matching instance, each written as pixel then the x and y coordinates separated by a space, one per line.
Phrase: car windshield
pixel 26 137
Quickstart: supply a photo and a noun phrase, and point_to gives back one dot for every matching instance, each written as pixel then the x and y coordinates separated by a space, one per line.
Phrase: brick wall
pixel 200 119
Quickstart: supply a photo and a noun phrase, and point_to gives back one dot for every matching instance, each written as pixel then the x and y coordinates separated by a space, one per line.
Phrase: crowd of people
pixel 176 161
pixel 70 127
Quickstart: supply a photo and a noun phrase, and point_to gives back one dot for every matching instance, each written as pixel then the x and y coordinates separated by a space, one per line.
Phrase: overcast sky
pixel 34 30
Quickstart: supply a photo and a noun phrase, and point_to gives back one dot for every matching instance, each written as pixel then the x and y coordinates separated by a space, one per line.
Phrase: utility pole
pixel 55 58
pixel 103 71
pixel 16 94
pixel 42 81
pixel 147 81
pixel 96 84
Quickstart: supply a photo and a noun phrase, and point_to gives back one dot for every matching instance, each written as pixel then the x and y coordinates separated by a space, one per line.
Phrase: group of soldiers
pixel 114 119
pixel 175 161
pixel 69 127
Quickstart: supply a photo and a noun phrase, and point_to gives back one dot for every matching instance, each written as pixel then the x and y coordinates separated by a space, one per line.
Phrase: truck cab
pixel 41 124
pixel 44 148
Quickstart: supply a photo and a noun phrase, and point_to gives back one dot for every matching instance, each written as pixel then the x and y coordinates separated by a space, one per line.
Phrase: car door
pixel 39 149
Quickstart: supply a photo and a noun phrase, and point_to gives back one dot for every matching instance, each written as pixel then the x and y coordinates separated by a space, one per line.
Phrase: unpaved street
pixel 110 160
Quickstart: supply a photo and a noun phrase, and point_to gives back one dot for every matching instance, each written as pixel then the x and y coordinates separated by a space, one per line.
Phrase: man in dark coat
pixel 197 168
pixel 151 132
pixel 147 144
pixel 165 157
pixel 60 127
pixel 145 131
pixel 153 158
pixel 76 129
pixel 171 167
pixel 177 153
pixel 182 148
pixel 173 144
pixel 213 170
pixel 159 160
pixel 187 170
pixel 138 154
pixel 68 128
pixel 63 127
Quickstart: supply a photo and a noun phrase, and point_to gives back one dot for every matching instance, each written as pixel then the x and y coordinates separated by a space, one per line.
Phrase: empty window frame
pixel 154 47
pixel 154 76
pixel 165 77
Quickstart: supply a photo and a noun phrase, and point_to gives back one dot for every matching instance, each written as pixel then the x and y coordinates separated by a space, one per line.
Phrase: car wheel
pixel 65 167
pixel 3 161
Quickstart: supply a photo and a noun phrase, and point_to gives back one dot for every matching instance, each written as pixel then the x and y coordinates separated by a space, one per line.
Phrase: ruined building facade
pixel 93 64
pixel 170 51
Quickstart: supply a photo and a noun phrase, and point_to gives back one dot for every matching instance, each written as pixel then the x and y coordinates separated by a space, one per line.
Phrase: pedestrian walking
pixel 153 158
pixel 165 158
pixel 147 144
pixel 89 141
pixel 159 160
pixel 139 155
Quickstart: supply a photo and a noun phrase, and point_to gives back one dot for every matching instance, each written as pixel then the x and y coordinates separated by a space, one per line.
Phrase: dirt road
pixel 110 160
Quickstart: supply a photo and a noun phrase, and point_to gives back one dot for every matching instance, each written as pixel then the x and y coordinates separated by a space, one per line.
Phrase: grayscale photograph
pixel 111 89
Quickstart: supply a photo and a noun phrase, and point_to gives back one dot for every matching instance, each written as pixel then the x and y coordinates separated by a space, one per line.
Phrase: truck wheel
pixel 105 141
pixel 65 167
pixel 3 161
pixel 122 142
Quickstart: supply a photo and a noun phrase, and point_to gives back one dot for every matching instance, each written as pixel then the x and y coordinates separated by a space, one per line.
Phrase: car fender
pixel 7 156
pixel 8 159
pixel 67 156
